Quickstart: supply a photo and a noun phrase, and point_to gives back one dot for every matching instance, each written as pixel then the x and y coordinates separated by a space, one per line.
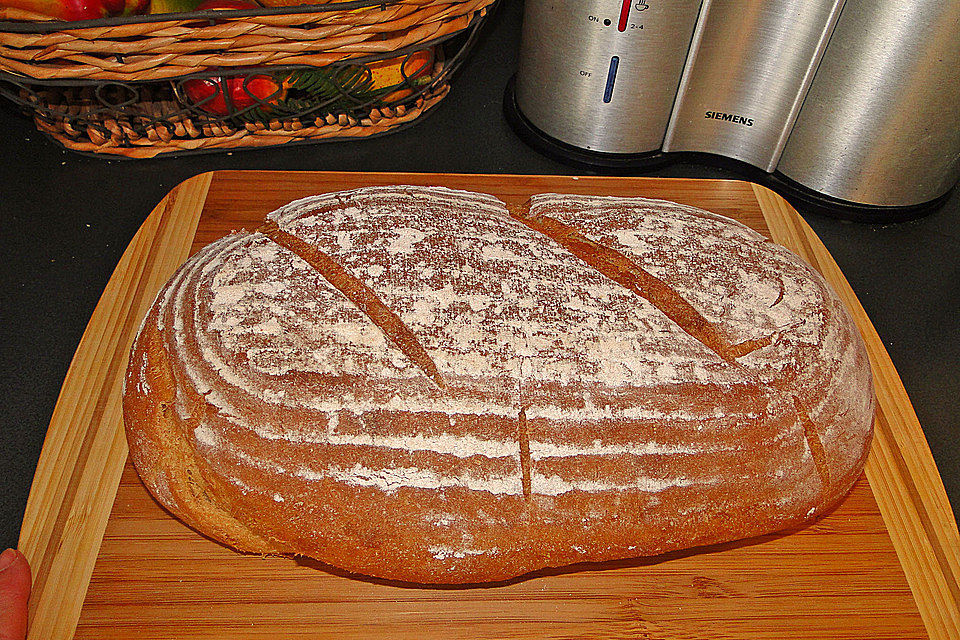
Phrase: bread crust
pixel 419 384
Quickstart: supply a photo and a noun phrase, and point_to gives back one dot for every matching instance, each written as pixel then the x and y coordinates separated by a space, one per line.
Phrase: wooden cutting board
pixel 110 563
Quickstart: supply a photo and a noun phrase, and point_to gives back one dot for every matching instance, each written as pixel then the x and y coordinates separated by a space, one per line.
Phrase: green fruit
pixel 173 6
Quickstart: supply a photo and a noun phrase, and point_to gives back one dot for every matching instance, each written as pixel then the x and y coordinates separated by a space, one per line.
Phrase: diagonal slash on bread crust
pixel 360 295
pixel 635 278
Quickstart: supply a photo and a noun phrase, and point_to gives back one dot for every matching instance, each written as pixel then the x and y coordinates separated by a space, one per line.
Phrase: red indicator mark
pixel 624 14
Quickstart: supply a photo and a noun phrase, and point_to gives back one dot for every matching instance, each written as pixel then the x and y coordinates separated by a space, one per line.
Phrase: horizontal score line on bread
pixel 377 373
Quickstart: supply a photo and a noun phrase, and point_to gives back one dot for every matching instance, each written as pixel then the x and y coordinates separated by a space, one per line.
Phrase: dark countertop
pixel 67 219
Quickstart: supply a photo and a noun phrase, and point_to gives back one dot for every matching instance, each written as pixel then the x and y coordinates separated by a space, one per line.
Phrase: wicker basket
pixel 120 86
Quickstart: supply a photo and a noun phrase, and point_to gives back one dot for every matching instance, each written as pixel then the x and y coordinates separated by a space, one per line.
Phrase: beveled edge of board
pixel 85 449
pixel 901 469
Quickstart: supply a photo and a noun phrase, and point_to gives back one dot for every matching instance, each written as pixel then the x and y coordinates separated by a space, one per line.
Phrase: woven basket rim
pixel 171 48
pixel 227 70
pixel 210 15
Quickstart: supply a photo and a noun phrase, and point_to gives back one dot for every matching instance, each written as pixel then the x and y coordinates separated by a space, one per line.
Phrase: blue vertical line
pixel 611 78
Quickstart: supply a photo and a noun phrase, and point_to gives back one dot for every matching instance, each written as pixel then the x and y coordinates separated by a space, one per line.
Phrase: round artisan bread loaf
pixel 423 385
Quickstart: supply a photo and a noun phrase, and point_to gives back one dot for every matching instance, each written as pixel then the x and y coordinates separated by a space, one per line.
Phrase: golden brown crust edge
pixel 167 465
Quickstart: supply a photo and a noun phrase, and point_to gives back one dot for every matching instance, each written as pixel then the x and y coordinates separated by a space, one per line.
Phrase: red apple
pixel 63 9
pixel 126 7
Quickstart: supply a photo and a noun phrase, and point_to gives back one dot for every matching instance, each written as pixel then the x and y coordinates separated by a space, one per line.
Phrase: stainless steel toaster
pixel 851 103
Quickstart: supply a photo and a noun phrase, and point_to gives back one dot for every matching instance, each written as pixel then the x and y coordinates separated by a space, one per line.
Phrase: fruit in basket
pixel 173 6
pixel 227 5
pixel 181 6
pixel 62 9
pixel 403 72
pixel 80 9
pixel 212 94
pixel 297 3
pixel 126 7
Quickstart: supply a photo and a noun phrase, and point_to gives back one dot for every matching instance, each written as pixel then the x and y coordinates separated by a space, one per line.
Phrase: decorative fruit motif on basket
pixel 242 92
pixel 415 69
pixel 310 92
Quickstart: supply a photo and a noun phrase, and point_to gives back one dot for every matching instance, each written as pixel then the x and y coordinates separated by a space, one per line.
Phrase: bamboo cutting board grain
pixel 110 563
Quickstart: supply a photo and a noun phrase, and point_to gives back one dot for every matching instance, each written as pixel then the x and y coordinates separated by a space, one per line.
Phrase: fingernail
pixel 7 558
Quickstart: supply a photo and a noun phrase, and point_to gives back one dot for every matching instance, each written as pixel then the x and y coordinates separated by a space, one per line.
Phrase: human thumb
pixel 14 593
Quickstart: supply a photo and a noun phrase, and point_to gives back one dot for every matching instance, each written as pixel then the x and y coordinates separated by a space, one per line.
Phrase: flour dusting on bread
pixel 579 378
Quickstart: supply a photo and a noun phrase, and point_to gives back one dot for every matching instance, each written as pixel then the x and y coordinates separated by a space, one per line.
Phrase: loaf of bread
pixel 421 384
